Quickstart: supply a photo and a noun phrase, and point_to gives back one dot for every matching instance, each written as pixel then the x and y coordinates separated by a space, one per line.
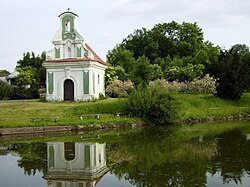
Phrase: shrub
pixel 170 86
pixel 119 88
pixel 154 104
pixel 5 90
pixel 206 84
pixel 19 92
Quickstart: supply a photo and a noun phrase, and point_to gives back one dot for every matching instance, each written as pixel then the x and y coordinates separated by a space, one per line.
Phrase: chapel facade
pixel 74 72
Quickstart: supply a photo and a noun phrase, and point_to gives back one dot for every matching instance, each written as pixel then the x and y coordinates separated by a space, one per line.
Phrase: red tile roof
pixel 96 58
pixel 4 75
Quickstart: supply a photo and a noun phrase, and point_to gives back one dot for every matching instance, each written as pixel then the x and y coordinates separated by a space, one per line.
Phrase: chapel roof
pixel 95 58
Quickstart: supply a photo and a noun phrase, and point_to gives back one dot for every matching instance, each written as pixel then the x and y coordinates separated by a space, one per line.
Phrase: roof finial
pixel 68 9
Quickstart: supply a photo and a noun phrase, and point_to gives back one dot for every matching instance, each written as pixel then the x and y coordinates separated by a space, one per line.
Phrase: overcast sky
pixel 29 25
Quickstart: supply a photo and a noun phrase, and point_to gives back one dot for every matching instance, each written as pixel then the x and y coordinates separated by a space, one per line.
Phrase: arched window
pixel 69 151
pixel 67 26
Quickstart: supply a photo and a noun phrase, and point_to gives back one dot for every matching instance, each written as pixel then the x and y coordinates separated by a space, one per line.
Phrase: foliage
pixel 175 52
pixel 5 90
pixel 121 57
pixel 119 88
pixel 27 76
pixel 154 104
pixel 4 72
pixel 233 72
pixel 206 84
pixel 113 73
pixel 33 157
pixel 142 71
pixel 33 64
pixel 164 39
pixel 20 92
pixel 186 73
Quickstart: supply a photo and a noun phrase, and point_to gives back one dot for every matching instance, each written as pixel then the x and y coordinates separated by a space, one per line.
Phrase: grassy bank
pixel 201 106
pixel 19 114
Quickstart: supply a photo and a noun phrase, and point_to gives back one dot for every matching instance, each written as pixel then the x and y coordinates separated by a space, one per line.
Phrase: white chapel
pixel 74 72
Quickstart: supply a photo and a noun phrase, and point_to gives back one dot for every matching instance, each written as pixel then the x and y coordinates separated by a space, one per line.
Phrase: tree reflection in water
pixel 148 157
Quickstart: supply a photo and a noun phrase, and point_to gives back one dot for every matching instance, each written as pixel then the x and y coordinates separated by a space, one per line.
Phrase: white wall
pixel 75 72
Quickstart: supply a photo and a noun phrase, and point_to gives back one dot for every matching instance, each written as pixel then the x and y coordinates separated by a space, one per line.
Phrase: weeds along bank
pixel 189 106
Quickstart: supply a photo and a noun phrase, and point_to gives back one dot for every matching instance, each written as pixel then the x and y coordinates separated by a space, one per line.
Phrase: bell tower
pixel 68 43
pixel 68 25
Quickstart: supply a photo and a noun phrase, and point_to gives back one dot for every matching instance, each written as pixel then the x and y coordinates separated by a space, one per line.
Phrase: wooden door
pixel 68 90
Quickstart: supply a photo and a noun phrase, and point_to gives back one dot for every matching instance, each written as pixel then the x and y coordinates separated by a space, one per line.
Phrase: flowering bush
pixel 170 86
pixel 206 84
pixel 118 88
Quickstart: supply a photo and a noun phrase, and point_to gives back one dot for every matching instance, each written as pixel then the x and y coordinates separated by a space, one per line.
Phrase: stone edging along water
pixel 58 129
pixel 211 119
pixel 69 128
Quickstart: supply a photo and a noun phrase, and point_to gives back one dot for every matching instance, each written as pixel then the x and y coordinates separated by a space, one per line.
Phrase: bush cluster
pixel 154 104
pixel 19 92
pixel 206 84
pixel 5 90
pixel 119 88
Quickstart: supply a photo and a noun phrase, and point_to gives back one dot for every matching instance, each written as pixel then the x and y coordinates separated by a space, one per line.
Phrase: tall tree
pixel 178 49
pixel 141 73
pixel 233 71
pixel 165 39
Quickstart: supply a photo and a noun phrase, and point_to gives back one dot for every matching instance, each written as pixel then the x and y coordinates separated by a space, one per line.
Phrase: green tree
pixel 34 62
pixel 141 73
pixel 186 73
pixel 233 71
pixel 157 72
pixel 176 51
pixel 27 76
pixel 165 39
pixel 5 90
pixel 121 57
pixel 113 73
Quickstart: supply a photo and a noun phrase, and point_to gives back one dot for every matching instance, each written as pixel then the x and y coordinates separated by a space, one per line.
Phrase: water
pixel 201 155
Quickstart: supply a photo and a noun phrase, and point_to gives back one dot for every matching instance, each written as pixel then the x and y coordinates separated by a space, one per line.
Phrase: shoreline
pixel 46 130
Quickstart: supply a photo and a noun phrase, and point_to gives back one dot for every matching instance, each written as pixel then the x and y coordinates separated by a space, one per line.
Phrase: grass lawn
pixel 19 113
pixel 201 106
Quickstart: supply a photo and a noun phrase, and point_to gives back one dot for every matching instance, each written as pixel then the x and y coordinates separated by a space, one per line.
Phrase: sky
pixel 29 25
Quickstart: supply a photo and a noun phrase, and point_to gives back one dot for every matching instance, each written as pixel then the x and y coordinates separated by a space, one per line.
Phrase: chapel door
pixel 68 90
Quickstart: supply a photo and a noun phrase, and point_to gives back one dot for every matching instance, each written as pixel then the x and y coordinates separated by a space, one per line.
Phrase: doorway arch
pixel 68 90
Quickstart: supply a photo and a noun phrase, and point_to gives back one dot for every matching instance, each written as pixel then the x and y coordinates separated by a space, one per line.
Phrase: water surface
pixel 199 155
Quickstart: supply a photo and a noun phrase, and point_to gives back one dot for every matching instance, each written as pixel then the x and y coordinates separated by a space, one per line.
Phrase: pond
pixel 199 155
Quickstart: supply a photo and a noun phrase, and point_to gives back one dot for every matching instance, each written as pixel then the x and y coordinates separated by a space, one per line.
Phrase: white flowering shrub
pixel 206 84
pixel 118 88
pixel 170 86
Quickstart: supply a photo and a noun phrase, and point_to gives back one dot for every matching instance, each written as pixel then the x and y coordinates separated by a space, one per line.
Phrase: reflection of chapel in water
pixel 75 164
